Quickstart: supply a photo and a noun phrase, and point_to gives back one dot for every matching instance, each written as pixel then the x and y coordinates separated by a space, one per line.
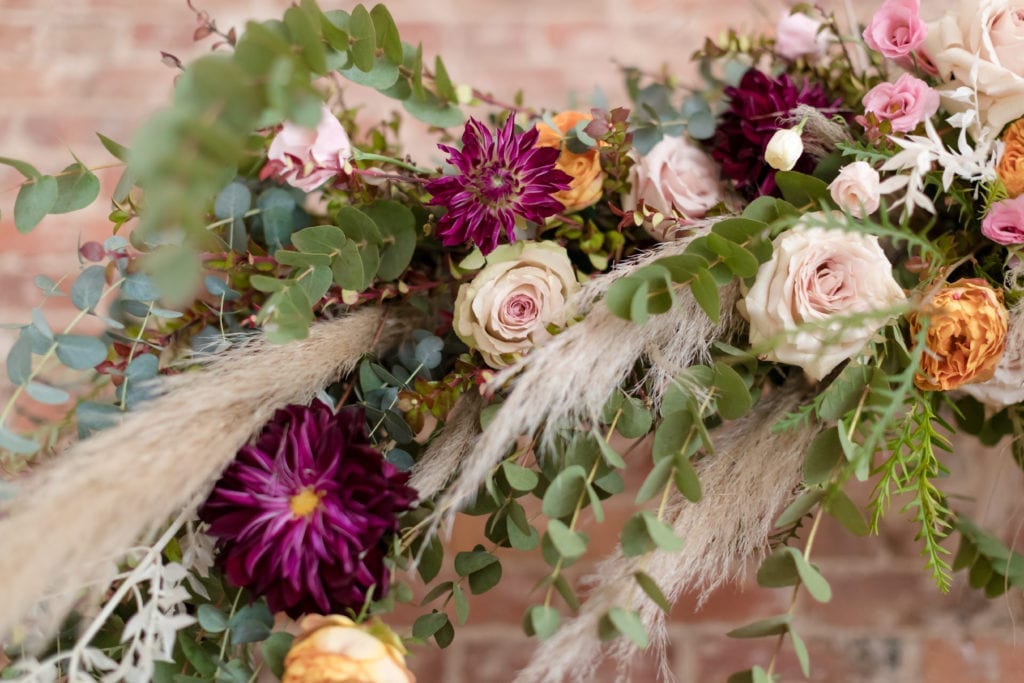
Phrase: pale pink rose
pixel 814 276
pixel 856 189
pixel 307 158
pixel 980 45
pixel 905 103
pixel 507 307
pixel 798 35
pixel 1004 222
pixel 675 177
pixel 896 29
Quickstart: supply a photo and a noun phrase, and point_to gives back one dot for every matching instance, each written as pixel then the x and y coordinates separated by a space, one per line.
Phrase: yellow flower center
pixel 305 502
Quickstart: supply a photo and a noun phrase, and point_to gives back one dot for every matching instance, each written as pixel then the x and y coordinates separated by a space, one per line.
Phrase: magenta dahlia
pixel 497 177
pixel 756 108
pixel 302 516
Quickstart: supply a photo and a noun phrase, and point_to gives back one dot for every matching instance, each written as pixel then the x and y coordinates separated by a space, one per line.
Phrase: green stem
pixel 360 155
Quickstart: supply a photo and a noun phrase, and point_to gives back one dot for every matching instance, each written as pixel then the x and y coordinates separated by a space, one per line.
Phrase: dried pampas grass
pixel 751 476
pixel 569 379
pixel 109 490
pixel 441 460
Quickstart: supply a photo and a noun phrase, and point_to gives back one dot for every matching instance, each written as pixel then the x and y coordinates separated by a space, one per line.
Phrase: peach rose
pixel 816 274
pixel 524 287
pixel 965 338
pixel 856 189
pixel 335 649
pixel 584 167
pixel 675 178
pixel 307 158
pixel 986 35
pixel 1011 163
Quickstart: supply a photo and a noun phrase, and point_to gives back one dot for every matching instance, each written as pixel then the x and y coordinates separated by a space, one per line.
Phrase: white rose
pixel 676 176
pixel 307 158
pixel 507 307
pixel 798 35
pixel 987 35
pixel 816 274
pixel 856 189
pixel 784 149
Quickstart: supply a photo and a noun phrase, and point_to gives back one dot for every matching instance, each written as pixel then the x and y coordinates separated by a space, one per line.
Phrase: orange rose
pixel 585 168
pixel 966 335
pixel 335 649
pixel 1011 164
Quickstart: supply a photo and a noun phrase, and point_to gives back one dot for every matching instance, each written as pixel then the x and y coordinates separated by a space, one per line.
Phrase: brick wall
pixel 68 69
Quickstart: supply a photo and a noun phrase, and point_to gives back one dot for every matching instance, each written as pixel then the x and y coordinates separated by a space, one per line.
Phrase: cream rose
pixel 856 189
pixel 335 648
pixel 1005 388
pixel 676 176
pixel 987 35
pixel 507 307
pixel 816 274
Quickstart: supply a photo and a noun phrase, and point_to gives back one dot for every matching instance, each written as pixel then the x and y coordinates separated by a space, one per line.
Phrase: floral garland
pixel 318 352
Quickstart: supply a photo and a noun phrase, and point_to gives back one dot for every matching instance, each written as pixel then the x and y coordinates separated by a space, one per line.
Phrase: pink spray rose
pixel 307 158
pixel 798 35
pixel 905 103
pixel 1004 222
pixel 896 30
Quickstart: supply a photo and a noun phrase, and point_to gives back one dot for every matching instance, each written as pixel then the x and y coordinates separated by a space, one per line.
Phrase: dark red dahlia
pixel 498 177
pixel 302 516
pixel 756 107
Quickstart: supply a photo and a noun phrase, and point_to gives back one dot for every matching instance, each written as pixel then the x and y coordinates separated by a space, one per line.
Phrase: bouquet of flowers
pixel 311 353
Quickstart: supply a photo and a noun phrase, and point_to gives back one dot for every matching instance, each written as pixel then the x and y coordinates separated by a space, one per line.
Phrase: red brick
pixel 968 660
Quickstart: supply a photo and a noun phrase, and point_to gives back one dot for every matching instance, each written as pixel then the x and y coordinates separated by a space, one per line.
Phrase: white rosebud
pixel 784 149
pixel 856 189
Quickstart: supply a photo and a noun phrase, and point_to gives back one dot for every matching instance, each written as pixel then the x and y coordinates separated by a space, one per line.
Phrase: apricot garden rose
pixel 816 274
pixel 524 287
pixel 334 649
pixel 966 335
pixel 584 167
pixel 1011 163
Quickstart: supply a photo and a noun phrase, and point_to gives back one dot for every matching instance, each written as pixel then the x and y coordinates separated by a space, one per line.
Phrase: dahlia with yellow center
pixel 584 167
pixel 966 335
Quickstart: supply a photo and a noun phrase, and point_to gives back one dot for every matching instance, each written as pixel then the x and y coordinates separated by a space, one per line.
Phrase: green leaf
pixel 734 398
pixel 24 168
pixel 619 297
pixel 305 31
pixel 778 570
pixel 674 435
pixel 429 624
pixel 635 420
pixel 461 604
pixel 434 112
pixel 431 559
pixel 569 544
pixel 79 352
pixel 705 292
pixel 77 188
pixel 19 445
pixel 348 268
pixel 804 503
pixel 251 624
pixel 19 360
pixel 812 579
pixel 802 656
pixel 565 492
pixel 363 45
pixel 233 201
pixel 316 283
pixel 661 533
pixel 398 224
pixel 47 394
pixel 212 619
pixel 87 290
pixel 740 261
pixel 634 538
pixel 611 456
pixel 686 478
pixel 845 391
pixel 35 199
pixel 542 621
pixel 824 453
pixel 320 239
pixel 265 283
pixel 655 482
pixel 519 538
pixel 651 589
pixel 520 478
pixel 387 34
pixel 382 76
pixel 683 267
pixel 629 625
pixel 468 562
pixel 847 513
pixel 116 149
pixel 286 316
pixel 772 626
pixel 444 84
pixel 800 189
pixel 485 579
pixel 274 650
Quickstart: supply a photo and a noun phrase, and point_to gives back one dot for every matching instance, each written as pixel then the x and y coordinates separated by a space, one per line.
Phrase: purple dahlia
pixel 302 515
pixel 756 107
pixel 497 177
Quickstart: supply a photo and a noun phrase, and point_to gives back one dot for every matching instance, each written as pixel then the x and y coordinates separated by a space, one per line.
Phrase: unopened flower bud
pixel 784 149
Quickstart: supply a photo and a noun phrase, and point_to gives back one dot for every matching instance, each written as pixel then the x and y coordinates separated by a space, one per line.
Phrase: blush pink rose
pixel 905 103
pixel 896 30
pixel 1004 222
pixel 798 35
pixel 307 158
